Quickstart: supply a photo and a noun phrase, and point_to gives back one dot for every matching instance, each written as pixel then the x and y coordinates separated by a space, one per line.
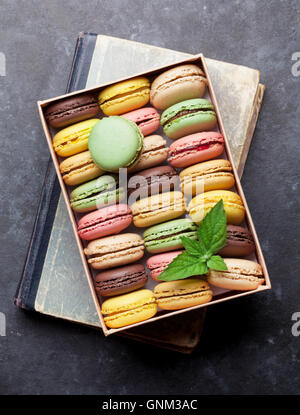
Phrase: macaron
pixel 166 236
pixel 114 251
pixel 124 96
pixel 115 143
pixel 79 168
pixel 120 280
pixel 176 295
pixel 188 117
pixel 195 148
pixel 147 119
pixel 242 275
pixel 151 181
pixel 158 208
pixel 130 308
pixel 103 222
pixel 177 84
pixel 72 110
pixel 239 242
pixel 97 193
pixel 153 153
pixel 200 205
pixel 73 139
pixel 158 263
pixel 209 175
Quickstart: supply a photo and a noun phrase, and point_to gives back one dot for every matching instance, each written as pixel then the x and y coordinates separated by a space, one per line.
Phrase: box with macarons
pixel 156 205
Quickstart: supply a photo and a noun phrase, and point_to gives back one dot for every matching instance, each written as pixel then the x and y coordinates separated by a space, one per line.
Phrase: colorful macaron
pixel 177 84
pixel 200 205
pixel 158 263
pixel 195 148
pixel 97 193
pixel 242 275
pixel 72 110
pixel 239 242
pixel 115 143
pixel 120 280
pixel 103 222
pixel 73 139
pixel 152 181
pixel 158 208
pixel 167 236
pixel 147 119
pixel 188 117
pixel 79 168
pixel 176 295
pixel 125 96
pixel 153 153
pixel 114 251
pixel 209 175
pixel 130 308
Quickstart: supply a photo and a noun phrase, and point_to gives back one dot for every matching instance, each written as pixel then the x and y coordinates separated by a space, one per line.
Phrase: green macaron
pixel 115 143
pixel 188 117
pixel 96 194
pixel 166 236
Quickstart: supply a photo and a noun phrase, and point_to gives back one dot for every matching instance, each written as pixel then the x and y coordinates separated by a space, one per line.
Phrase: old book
pixel 53 281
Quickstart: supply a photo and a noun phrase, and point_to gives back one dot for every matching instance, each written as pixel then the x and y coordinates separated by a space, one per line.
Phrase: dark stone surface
pixel 247 345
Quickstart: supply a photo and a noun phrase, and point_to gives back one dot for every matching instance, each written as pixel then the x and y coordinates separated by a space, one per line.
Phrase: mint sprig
pixel 198 256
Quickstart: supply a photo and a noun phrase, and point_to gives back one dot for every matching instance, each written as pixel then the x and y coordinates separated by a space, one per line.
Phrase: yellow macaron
pixel 125 96
pixel 158 208
pixel 200 205
pixel 206 176
pixel 127 309
pixel 175 295
pixel 73 139
pixel 79 168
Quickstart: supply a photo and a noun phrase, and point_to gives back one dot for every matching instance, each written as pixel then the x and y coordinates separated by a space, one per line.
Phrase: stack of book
pixel 53 281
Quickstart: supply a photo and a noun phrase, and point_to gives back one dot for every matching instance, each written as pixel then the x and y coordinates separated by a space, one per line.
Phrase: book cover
pixel 53 280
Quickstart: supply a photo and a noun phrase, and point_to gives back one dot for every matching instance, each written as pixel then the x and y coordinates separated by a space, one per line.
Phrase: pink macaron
pixel 157 263
pixel 103 222
pixel 195 148
pixel 148 119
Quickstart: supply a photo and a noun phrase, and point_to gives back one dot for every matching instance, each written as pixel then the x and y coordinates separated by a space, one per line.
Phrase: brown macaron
pixel 152 181
pixel 120 280
pixel 72 110
pixel 239 242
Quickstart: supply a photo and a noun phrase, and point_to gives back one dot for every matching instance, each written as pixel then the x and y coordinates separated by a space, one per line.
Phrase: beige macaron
pixel 114 251
pixel 79 169
pixel 175 295
pixel 242 275
pixel 154 153
pixel 177 84
pixel 158 208
pixel 209 175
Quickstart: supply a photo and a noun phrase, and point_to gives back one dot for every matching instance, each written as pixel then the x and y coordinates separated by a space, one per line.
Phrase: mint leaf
pixel 217 262
pixel 192 247
pixel 199 256
pixel 183 266
pixel 212 229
